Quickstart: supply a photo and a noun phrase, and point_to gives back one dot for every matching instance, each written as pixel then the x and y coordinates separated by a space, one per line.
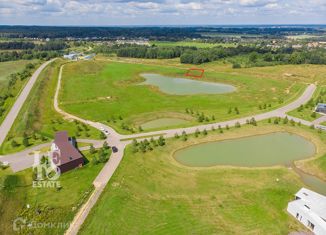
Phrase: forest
pixel 152 32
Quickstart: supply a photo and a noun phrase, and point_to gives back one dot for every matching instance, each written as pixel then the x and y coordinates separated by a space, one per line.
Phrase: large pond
pixel 163 122
pixel 182 86
pixel 280 148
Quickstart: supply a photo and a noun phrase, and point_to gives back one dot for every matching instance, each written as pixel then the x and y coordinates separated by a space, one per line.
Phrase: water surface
pixel 280 148
pixel 182 86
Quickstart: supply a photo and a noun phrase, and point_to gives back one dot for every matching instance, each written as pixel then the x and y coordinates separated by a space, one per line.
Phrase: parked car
pixel 114 149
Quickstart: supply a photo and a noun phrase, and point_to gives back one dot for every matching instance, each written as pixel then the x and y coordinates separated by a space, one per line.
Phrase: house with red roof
pixel 65 152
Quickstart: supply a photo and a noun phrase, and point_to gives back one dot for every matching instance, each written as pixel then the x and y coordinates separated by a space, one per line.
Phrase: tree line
pixel 256 55
pixel 21 45
pixel 9 91
pixel 28 55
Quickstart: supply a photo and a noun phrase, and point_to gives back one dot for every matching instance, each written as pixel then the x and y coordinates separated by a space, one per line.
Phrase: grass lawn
pixel 46 204
pixel 9 67
pixel 112 88
pixel 306 114
pixel 307 111
pixel 6 69
pixel 191 44
pixel 38 115
pixel 151 193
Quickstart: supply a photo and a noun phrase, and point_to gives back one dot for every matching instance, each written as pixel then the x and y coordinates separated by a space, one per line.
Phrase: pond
pixel 182 86
pixel 163 122
pixel 280 148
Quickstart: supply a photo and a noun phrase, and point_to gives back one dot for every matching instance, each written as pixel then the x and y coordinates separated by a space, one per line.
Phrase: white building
pixel 310 209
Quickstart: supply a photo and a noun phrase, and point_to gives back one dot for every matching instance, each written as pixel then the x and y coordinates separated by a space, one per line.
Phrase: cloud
pixel 160 11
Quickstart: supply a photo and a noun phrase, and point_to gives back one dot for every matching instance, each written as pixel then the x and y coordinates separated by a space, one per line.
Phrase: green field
pixel 151 193
pixel 46 204
pixel 191 44
pixel 109 92
pixel 38 116
pixel 7 68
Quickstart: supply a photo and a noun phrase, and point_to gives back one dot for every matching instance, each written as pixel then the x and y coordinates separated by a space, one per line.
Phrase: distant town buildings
pixel 78 56
pixel 71 56
pixel 309 208
pixel 140 42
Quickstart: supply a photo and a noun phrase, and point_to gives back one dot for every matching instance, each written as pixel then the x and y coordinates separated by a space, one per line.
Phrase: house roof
pixel 316 202
pixel 321 105
pixel 68 152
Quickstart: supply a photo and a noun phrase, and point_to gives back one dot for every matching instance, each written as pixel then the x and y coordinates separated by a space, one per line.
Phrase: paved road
pixel 10 118
pixel 115 139
pixel 320 120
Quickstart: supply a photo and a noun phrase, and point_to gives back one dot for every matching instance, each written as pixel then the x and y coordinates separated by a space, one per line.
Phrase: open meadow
pixel 151 193
pixel 110 92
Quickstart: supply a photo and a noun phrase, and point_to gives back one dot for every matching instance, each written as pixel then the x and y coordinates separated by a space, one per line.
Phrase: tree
pixel 102 135
pixel 102 156
pixel 205 132
pixel 14 144
pixel 134 143
pixel 25 141
pixel 236 65
pixel 161 141
pixel 94 160
pixel 176 136
pixel 184 136
pixel 236 110
pixel 292 122
pixel 253 121
pixel 140 129
pixel 92 149
pixel 314 115
pixel 105 145
pixel 253 57
pixel 285 120
pixel 237 125
pixel 197 132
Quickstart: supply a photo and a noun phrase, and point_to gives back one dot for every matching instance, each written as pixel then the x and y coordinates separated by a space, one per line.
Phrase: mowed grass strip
pixel 99 90
pixel 152 194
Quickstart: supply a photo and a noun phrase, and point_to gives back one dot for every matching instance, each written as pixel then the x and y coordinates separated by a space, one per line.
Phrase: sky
pixel 161 12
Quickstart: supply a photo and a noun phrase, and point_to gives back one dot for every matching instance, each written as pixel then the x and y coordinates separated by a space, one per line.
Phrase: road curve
pixel 12 115
pixel 280 112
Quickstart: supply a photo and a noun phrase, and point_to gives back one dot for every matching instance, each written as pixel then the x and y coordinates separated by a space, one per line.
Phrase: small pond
pixel 163 122
pixel 182 86
pixel 280 148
